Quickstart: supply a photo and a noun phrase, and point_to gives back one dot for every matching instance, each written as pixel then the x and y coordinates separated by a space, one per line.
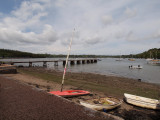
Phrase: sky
pixel 102 27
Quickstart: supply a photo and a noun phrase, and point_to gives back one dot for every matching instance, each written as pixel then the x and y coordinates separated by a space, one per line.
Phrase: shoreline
pixel 109 75
pixel 98 85
pixel 77 79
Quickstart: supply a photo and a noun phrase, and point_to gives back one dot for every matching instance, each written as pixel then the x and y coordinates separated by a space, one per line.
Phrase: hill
pixel 152 53
pixel 5 53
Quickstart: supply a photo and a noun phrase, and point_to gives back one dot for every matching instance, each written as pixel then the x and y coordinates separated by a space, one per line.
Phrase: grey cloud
pixel 131 37
pixel 107 19
pixel 157 34
pixel 119 34
pixel 93 40
pixel 11 36
pixel 130 12
pixel 67 36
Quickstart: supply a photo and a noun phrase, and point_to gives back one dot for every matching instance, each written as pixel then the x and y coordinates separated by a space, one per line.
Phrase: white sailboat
pixel 131 59
pixel 120 58
pixel 154 61
pixel 149 59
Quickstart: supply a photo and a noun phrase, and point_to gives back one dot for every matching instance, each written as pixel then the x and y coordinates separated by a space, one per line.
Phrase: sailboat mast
pixel 67 61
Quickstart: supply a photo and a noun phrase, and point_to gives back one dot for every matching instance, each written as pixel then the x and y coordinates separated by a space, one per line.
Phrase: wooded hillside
pixel 5 53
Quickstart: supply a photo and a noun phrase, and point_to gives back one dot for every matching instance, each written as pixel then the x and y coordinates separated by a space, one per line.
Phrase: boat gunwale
pixel 100 105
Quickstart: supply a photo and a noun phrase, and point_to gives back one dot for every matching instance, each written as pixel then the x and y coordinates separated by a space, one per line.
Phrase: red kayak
pixel 70 93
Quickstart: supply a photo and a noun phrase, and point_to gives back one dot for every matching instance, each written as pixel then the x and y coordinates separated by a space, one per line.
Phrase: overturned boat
pixel 142 101
pixel 106 103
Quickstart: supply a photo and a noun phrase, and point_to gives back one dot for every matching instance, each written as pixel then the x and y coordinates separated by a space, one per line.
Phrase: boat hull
pixel 70 93
pixel 135 67
pixel 142 101
pixel 101 106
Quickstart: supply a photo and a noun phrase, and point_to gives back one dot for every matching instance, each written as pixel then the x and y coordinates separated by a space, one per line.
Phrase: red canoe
pixel 70 93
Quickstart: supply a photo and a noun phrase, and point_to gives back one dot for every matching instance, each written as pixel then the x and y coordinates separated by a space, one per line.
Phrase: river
pixel 107 66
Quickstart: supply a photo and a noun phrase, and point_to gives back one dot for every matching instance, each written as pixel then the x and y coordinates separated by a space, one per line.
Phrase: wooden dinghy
pixel 142 101
pixel 106 103
pixel 70 93
pixel 131 59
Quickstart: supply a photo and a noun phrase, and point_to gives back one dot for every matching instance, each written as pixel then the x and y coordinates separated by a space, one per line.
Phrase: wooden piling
pixel 72 62
pixel 78 62
pixel 30 64
pixel 83 61
pixel 56 63
pixel 64 62
pixel 44 64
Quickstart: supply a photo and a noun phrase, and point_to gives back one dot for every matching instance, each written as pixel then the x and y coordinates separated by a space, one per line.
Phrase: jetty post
pixel 30 64
pixel 78 61
pixel 45 64
pixel 55 63
pixel 83 61
pixel 72 62
pixel 88 61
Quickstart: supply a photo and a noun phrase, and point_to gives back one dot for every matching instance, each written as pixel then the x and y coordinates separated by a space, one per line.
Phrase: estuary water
pixel 107 66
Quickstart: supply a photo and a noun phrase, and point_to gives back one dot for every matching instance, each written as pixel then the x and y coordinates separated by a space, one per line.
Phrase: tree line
pixel 6 53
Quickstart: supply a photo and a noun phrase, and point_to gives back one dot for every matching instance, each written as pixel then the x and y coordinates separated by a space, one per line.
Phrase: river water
pixel 107 66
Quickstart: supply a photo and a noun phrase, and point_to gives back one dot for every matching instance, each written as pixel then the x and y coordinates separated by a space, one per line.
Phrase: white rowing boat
pixel 142 101
pixel 135 67
pixel 106 103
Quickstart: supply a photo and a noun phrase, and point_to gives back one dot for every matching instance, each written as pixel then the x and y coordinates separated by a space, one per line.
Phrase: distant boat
pixel 154 62
pixel 131 59
pixel 120 59
pixel 135 67
pixel 106 103
pixel 149 59
pixel 142 101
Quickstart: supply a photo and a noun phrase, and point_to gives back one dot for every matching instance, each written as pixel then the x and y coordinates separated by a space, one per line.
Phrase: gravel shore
pixel 27 83
pixel 19 101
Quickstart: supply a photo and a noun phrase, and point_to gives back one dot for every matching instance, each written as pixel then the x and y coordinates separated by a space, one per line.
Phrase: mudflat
pixel 98 85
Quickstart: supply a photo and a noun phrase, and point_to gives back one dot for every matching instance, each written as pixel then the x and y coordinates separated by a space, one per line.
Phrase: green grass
pixel 44 76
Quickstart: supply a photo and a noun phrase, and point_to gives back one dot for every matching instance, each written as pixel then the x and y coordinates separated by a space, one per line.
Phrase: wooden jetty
pixel 72 61
pixel 6 68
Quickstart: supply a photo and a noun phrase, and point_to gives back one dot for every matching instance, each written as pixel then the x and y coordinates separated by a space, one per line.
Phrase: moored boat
pixel 118 59
pixel 135 67
pixel 106 103
pixel 149 59
pixel 131 59
pixel 154 62
pixel 142 101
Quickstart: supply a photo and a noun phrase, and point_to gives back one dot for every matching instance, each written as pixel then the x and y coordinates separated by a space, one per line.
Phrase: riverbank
pixel 109 85
pixel 19 101
pixel 98 85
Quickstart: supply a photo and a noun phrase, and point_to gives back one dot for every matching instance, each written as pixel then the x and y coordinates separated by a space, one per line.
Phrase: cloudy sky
pixel 105 27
